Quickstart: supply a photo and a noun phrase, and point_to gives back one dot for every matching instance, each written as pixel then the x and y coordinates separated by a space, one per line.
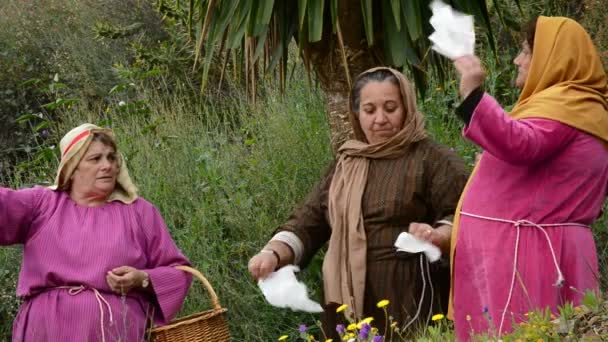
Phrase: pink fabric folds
pixel 541 171
pixel 66 245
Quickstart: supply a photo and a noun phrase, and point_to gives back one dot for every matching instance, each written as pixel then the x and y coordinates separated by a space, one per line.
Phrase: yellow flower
pixel 382 303
pixel 578 309
pixel 346 337
pixel 438 88
pixel 468 317
pixel 438 317
pixel 311 338
pixel 341 308
pixel 351 326
pixel 367 320
pixel 394 324
pixel 329 340
pixel 374 331
pixel 283 338
pixel 539 340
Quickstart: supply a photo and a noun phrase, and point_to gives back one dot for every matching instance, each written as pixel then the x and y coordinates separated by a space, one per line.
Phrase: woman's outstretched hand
pixel 472 74
pixel 262 264
pixel 125 278
pixel 439 236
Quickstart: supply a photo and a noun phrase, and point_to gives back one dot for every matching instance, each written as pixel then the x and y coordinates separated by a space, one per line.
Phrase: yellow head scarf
pixel 73 147
pixel 566 80
pixel 566 83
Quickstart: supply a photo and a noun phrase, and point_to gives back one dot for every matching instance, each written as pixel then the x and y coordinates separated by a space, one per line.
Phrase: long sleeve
pixel 446 177
pixel 309 221
pixel 170 285
pixel 518 142
pixel 18 209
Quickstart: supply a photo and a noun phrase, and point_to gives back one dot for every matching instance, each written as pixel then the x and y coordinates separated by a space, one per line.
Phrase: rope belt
pixel 525 223
pixel 75 290
pixel 426 273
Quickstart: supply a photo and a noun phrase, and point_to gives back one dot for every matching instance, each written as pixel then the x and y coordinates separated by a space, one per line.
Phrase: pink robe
pixel 537 170
pixel 68 245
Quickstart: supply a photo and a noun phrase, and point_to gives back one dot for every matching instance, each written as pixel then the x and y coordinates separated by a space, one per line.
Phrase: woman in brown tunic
pixel 391 178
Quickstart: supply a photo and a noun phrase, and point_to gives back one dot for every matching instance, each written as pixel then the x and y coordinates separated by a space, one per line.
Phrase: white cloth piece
pixel 407 242
pixel 282 289
pixel 454 34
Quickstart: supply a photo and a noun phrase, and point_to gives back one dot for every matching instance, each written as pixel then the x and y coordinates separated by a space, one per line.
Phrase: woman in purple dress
pixel 98 261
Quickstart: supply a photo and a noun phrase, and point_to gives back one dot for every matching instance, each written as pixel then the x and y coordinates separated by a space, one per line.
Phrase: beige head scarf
pixel 344 266
pixel 73 147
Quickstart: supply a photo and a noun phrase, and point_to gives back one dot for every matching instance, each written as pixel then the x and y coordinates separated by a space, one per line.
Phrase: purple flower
pixel 366 327
pixel 340 329
pixel 44 132
pixel 377 338
pixel 485 309
pixel 363 334
pixel 302 328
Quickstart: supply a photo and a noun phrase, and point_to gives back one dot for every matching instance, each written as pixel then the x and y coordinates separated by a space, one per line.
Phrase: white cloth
pixel 454 34
pixel 407 242
pixel 282 289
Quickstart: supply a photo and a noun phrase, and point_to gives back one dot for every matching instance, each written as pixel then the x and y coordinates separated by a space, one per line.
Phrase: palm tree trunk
pixel 327 61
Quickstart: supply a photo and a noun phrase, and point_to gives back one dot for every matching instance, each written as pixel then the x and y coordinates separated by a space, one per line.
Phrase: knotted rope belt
pixel 525 223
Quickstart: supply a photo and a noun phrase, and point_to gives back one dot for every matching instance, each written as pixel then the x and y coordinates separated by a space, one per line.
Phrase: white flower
pixel 122 103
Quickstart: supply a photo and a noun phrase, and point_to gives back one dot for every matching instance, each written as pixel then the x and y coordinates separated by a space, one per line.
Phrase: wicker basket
pixel 204 326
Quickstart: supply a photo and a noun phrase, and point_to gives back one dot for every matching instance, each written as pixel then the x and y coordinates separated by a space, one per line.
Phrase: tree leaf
pixel 398 46
pixel 368 24
pixel 396 10
pixel 413 15
pixel 315 20
pixel 302 4
pixel 333 6
pixel 238 24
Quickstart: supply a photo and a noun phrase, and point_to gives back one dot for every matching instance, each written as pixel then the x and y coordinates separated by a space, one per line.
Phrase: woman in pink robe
pixel 524 240
pixel 98 261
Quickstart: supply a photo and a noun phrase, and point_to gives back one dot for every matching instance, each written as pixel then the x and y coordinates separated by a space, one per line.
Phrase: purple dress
pixel 67 251
pixel 546 173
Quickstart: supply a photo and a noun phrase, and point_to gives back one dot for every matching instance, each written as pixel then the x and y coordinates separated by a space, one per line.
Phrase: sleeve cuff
pixel 293 241
pixel 467 107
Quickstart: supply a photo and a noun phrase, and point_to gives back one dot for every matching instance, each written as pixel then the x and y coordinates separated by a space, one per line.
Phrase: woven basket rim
pixel 190 319
pixel 216 310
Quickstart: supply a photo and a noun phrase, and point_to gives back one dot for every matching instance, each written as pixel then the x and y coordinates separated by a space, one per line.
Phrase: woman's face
pixel 381 111
pixel 523 64
pixel 97 171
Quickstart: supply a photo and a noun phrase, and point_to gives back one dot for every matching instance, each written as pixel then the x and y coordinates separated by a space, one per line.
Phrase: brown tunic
pixel 421 186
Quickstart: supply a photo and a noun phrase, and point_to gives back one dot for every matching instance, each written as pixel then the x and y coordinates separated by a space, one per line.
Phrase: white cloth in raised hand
pixel 407 242
pixel 454 34
pixel 282 289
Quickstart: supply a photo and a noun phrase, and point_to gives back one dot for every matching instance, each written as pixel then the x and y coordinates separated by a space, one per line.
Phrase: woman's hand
pixel 125 278
pixel 262 264
pixel 439 236
pixel 471 73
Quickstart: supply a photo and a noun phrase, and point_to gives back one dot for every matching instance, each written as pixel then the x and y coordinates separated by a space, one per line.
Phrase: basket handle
pixel 198 275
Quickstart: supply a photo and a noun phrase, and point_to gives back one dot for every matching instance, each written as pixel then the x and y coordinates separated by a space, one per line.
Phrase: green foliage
pixel 268 26
pixel 51 59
